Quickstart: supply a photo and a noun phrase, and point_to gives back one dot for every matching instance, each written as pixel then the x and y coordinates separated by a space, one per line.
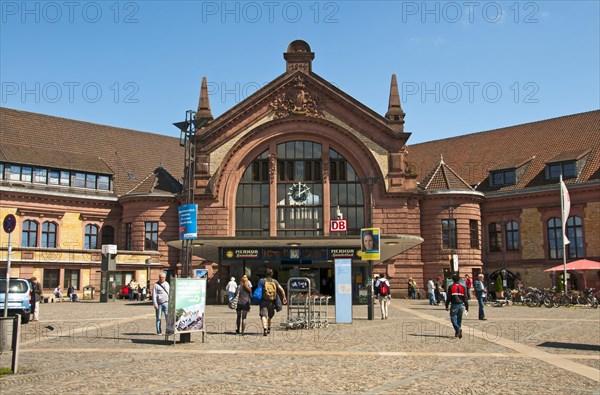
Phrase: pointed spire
pixel 395 112
pixel 204 103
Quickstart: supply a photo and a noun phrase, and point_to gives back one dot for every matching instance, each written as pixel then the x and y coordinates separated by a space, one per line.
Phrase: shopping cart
pixel 305 309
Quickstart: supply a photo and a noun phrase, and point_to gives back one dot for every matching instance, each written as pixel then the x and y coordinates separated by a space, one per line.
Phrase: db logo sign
pixel 338 225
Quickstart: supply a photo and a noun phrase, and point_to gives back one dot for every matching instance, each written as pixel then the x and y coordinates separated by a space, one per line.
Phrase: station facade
pixel 270 174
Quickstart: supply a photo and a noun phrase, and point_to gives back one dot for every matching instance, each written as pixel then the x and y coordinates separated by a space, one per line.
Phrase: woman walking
pixel 243 307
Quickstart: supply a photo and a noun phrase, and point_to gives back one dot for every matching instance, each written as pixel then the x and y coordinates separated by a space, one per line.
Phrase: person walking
pixel 267 305
pixel 384 295
pixel 243 306
pixel 480 294
pixel 412 288
pixel 457 300
pixel 468 285
pixel 160 300
pixel 38 296
pixel 431 292
pixel 231 289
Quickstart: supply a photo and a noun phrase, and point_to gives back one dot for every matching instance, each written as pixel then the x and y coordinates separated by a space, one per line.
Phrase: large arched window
pixel 575 236
pixel 555 240
pixel 90 240
pixel 300 186
pixel 252 200
pixel 29 234
pixel 49 234
pixel 512 236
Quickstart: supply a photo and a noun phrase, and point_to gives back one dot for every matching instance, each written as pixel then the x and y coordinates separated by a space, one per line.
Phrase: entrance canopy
pixel 581 264
pixel 208 247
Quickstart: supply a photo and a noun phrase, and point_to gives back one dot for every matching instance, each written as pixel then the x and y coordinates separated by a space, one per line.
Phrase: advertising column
pixel 187 302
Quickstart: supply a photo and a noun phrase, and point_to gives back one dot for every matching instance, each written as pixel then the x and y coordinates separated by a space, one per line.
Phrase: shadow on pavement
pixel 426 335
pixel 571 346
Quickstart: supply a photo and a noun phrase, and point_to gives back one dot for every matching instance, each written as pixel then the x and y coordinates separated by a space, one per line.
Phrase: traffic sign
pixel 9 224
pixel 338 225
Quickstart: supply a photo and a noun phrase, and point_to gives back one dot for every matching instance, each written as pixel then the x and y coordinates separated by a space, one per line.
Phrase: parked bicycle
pixel 588 298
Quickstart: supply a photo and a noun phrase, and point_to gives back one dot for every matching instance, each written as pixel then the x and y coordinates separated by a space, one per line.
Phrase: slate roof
pixel 130 155
pixel 472 156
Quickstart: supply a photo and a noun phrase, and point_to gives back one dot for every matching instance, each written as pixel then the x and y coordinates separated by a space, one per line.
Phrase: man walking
pixel 38 297
pixel 480 294
pixel 160 300
pixel 457 299
pixel 271 288
pixel 384 295
pixel 431 292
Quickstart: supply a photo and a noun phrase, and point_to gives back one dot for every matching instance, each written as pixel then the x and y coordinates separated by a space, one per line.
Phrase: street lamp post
pixel 187 139
pixel 370 181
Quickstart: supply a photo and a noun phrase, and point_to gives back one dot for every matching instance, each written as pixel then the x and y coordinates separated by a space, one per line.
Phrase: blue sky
pixel 462 67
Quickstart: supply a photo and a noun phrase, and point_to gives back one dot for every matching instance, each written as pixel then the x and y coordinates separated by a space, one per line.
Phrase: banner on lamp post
pixel 188 222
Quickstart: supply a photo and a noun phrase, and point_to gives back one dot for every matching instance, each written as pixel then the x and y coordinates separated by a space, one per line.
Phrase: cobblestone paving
pixel 110 348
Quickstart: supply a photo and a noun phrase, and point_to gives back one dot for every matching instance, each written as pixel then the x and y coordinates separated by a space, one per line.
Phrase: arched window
pixel 49 234
pixel 495 236
pixel 29 234
pixel 555 240
pixel 90 240
pixel 512 236
pixel 575 236
pixel 108 235
pixel 300 191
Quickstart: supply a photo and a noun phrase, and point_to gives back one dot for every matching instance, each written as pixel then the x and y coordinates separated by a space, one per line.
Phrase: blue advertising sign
pixel 343 290
pixel 188 224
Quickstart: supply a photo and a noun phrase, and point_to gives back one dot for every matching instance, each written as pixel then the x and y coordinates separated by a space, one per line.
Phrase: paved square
pixel 95 348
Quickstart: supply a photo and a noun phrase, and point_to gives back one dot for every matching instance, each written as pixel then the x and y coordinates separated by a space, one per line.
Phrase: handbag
pixel 278 304
pixel 234 302
pixel 258 293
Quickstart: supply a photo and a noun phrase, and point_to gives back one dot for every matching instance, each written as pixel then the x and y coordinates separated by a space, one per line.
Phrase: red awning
pixel 581 264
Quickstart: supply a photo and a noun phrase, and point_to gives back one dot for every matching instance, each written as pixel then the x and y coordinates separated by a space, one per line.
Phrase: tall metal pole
pixel 7 274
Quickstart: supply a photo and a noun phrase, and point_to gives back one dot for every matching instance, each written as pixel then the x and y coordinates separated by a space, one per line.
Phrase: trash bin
pixel 88 293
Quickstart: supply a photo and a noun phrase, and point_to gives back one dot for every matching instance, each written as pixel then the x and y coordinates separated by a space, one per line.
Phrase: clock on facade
pixel 298 193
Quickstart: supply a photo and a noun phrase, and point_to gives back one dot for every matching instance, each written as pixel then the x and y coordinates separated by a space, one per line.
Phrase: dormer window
pixel 566 169
pixel 503 177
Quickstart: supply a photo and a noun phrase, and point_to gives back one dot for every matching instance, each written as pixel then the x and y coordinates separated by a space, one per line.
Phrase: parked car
pixel 19 298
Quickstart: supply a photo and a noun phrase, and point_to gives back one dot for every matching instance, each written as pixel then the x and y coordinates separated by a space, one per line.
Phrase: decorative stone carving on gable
pixel 295 101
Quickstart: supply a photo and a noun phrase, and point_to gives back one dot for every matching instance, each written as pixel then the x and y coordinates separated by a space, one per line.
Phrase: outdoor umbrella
pixel 578 265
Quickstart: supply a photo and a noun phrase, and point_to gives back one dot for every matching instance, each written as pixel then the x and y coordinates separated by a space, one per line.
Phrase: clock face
pixel 299 192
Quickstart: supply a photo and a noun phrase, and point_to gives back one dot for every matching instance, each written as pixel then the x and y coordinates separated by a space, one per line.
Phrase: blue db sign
pixel 338 225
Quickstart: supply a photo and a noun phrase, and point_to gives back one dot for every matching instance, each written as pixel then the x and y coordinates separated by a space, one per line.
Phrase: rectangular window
pixel 71 278
pixel 151 236
pixel 15 173
pixel 65 178
pixel 53 177
pixel 567 169
pixel 449 233
pixel 128 237
pixel 26 173
pixel 104 183
pixel 474 233
pixel 504 177
pixel 41 175
pixel 79 180
pixel 51 277
pixel 90 181
pixel 1 171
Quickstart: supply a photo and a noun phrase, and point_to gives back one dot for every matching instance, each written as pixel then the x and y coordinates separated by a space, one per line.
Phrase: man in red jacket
pixel 457 300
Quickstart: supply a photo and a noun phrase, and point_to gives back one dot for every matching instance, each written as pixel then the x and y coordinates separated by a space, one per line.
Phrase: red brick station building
pixel 272 172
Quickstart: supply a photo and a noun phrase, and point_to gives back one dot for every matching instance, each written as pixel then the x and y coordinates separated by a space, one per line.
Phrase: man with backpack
pixel 270 288
pixel 382 291
pixel 457 299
